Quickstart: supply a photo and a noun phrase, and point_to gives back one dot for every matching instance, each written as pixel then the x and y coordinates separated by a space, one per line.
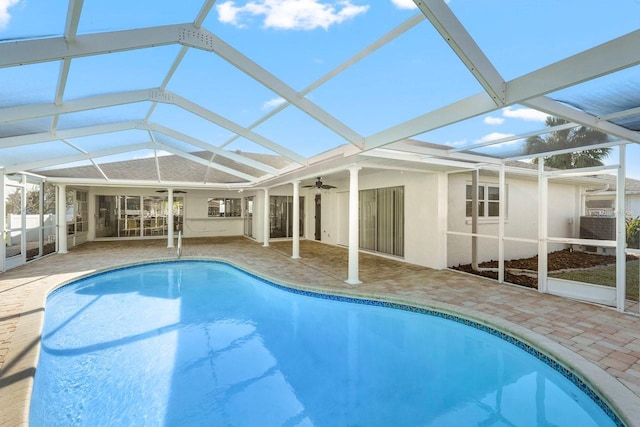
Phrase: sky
pixel 299 41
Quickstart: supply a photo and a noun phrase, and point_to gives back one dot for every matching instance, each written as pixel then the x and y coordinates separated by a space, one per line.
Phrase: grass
pixel 605 276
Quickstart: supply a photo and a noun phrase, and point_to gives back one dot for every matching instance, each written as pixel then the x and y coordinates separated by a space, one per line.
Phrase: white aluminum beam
pixel 204 12
pixel 464 157
pixel 73 18
pixel 33 111
pixel 621 114
pixel 557 109
pixel 205 162
pixel 598 61
pixel 76 157
pixel 205 40
pixel 208 147
pixel 62 82
pixel 384 153
pixel 35 138
pixel 235 128
pixel 57 48
pixel 571 150
pixel 606 58
pixel 457 37
pixel 149 183
pixel 515 137
pixel 26 112
pixel 382 41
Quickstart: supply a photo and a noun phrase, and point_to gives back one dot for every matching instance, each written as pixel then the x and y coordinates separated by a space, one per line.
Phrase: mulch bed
pixel 559 260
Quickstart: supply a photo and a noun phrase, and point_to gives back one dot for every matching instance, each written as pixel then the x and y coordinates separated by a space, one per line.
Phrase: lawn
pixel 605 275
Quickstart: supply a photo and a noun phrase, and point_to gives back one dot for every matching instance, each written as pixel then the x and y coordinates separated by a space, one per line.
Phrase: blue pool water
pixel 202 343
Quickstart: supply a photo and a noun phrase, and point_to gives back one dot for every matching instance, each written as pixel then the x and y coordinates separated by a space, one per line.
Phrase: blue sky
pixel 301 40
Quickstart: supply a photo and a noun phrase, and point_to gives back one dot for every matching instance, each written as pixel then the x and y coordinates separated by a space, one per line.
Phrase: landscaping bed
pixel 524 271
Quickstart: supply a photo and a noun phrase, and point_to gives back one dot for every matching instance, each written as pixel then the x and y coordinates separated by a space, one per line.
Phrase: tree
pixel 569 138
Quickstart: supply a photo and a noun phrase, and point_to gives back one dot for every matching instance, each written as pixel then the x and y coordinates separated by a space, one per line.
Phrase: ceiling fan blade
pixel 328 187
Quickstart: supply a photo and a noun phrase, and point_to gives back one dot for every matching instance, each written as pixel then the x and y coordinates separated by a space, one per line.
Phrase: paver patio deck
pixel 596 342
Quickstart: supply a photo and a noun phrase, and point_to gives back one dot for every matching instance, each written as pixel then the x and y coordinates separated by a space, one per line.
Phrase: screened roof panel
pixel 174 143
pixel 28 84
pixel 25 127
pixel 501 124
pixel 359 75
pixel 138 165
pixel 519 38
pixel 244 145
pixel 33 18
pixel 119 71
pixel 33 153
pixel 105 141
pixel 340 28
pixel 120 113
pixel 297 131
pixel 189 124
pixel 392 80
pixel 610 94
pixel 81 170
pixel 213 83
pixel 125 14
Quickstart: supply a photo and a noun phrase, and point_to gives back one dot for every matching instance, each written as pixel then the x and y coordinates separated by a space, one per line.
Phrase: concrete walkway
pixel 599 344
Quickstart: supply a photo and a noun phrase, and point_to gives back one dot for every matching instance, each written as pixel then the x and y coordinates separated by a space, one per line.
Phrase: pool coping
pixel 622 401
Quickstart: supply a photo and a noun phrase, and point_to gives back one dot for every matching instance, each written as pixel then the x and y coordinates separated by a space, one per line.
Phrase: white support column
pixel 354 237
pixel 170 224
pixel 295 251
pixel 543 215
pixel 265 215
pixel 475 177
pixel 61 215
pixel 3 226
pixel 23 219
pixel 501 212
pixel 621 235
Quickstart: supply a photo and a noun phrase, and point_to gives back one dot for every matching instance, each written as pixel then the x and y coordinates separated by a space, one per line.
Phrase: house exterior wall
pixel 424 216
pixel 521 218
pixel 632 202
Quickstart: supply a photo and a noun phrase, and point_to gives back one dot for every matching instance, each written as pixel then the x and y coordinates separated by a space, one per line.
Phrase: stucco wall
pixel 424 215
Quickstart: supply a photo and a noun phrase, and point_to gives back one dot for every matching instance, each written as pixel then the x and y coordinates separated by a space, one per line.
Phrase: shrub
pixel 632 226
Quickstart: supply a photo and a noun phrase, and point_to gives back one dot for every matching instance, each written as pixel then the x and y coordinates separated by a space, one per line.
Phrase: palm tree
pixel 569 138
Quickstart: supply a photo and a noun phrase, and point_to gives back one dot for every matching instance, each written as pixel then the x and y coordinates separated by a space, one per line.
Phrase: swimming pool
pixel 203 343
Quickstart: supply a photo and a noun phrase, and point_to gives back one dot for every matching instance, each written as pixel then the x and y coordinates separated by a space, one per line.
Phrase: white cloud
pixel 493 120
pixel 290 14
pixel 404 4
pixel 272 103
pixel 494 136
pixel 526 114
pixel 5 16
pixel 456 144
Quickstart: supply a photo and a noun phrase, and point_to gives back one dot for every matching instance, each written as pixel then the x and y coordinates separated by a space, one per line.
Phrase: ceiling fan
pixel 319 185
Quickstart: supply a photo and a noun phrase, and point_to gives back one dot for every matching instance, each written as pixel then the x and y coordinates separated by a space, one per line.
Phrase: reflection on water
pixel 196 343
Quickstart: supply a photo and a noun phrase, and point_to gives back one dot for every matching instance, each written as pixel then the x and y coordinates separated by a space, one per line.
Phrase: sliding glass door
pixel 382 220
pixel 281 216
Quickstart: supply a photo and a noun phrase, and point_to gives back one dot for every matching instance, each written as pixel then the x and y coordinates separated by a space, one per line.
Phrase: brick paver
pixel 596 342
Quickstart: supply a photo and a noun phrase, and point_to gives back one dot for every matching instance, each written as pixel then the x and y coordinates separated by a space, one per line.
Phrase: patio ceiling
pixel 243 104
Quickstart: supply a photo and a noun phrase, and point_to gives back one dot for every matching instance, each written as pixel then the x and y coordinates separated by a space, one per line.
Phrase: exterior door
pixel 318 233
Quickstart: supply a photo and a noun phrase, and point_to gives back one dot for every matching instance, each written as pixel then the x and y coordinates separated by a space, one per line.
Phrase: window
pixel 382 220
pixel 224 207
pixel 77 213
pixel 488 200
